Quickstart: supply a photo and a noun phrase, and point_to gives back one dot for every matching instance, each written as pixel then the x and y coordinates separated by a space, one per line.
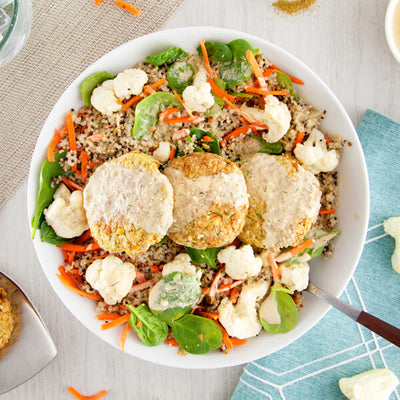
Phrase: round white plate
pixel 332 274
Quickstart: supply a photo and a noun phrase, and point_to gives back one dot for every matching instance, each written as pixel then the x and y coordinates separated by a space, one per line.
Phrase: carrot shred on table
pixel 237 342
pixel 276 273
pixel 219 92
pixel 171 342
pixel 124 335
pixel 256 68
pixel 127 7
pixel 331 211
pixel 79 248
pixel 71 131
pixel 53 144
pixel 107 317
pixel 79 396
pixel 97 2
pixel 251 89
pixel 79 291
pixel 292 78
pixel 207 65
pixel 168 111
pixel 71 184
pixel 84 165
pixel 172 153
pixel 116 322
pixel 142 285
pixel 96 137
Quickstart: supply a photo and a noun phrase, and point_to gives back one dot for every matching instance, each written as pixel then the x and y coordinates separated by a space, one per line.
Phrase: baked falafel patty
pixel 284 201
pixel 210 200
pixel 128 203
pixel 6 319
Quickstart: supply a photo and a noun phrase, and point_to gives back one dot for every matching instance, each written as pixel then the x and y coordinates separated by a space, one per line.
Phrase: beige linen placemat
pixel 65 38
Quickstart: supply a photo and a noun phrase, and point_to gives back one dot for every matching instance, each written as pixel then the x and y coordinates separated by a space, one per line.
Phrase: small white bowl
pixel 390 37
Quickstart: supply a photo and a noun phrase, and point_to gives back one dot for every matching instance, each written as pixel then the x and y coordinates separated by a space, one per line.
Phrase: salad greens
pixel 48 235
pixel 196 335
pixel 199 134
pixel 286 308
pixel 147 111
pixel 206 256
pixel 167 57
pixel 269 148
pixel 180 76
pixel 152 331
pixel 50 170
pixel 90 83
pixel 285 81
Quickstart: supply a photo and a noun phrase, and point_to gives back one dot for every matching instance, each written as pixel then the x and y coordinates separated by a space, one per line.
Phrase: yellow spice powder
pixel 293 6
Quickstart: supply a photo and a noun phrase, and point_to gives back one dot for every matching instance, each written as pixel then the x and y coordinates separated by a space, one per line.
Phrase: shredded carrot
pixel 226 340
pixel 124 335
pixel 80 292
pixel 116 322
pixel 132 101
pixel 127 7
pixel 237 342
pixel 171 342
pixel 84 165
pixel 256 68
pixel 243 113
pixel 67 277
pixel 71 184
pixel 154 268
pixel 97 2
pixel 93 164
pixel 214 284
pixel 142 285
pixel 107 317
pixel 96 137
pixel 168 111
pixel 292 78
pixel 79 248
pixel 71 131
pixel 276 273
pixel 84 237
pixel 331 211
pixel 207 65
pixel 79 396
pixel 182 120
pixel 139 324
pixel 268 72
pixel 251 89
pixel 172 153
pixel 208 315
pixel 71 257
pixel 229 286
pixel 233 297
pixel 207 139
pixel 299 138
pixel 182 102
pixel 159 83
pixel 140 276
pixel 327 139
pixel 302 246
pixel 218 91
pixel 237 132
pixel 65 255
pixel 53 143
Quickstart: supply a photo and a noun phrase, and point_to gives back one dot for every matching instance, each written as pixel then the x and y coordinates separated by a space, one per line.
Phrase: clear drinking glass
pixel 15 24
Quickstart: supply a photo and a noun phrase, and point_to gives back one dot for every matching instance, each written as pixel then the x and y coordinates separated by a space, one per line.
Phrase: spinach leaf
pixel 147 111
pixel 152 331
pixel 206 256
pixel 218 52
pixel 50 170
pixel 286 308
pixel 269 148
pixel 180 76
pixel 174 295
pixel 167 57
pixel 162 241
pixel 238 69
pixel 90 83
pixel 285 81
pixel 48 235
pixel 199 134
pixel 196 335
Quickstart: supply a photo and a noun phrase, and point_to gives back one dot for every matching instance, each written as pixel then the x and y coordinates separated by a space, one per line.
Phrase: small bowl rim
pixel 389 29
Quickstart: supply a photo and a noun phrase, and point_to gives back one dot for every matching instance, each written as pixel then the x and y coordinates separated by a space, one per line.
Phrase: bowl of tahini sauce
pixel 392 28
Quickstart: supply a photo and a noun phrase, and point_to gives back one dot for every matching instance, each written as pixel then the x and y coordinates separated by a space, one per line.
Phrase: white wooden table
pixel 343 41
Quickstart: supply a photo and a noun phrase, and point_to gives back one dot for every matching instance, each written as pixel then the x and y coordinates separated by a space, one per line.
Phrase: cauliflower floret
pixel 182 263
pixel 162 152
pixel 275 115
pixel 201 76
pixel 240 263
pixel 376 384
pixel 314 154
pixel 198 98
pixel 111 277
pixel 242 321
pixel 129 82
pixel 392 227
pixel 295 276
pixel 66 214
pixel 103 98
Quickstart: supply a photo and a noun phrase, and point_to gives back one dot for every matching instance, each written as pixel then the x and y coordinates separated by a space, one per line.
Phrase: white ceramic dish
pixel 332 275
pixel 389 31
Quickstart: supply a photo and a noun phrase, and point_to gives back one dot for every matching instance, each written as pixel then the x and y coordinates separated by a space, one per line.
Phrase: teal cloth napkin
pixel 309 368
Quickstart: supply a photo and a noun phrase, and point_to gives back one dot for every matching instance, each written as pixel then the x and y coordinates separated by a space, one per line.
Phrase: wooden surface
pixel 344 43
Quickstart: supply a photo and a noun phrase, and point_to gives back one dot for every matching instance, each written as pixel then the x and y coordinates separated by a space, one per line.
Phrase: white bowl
pixel 390 14
pixel 332 274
